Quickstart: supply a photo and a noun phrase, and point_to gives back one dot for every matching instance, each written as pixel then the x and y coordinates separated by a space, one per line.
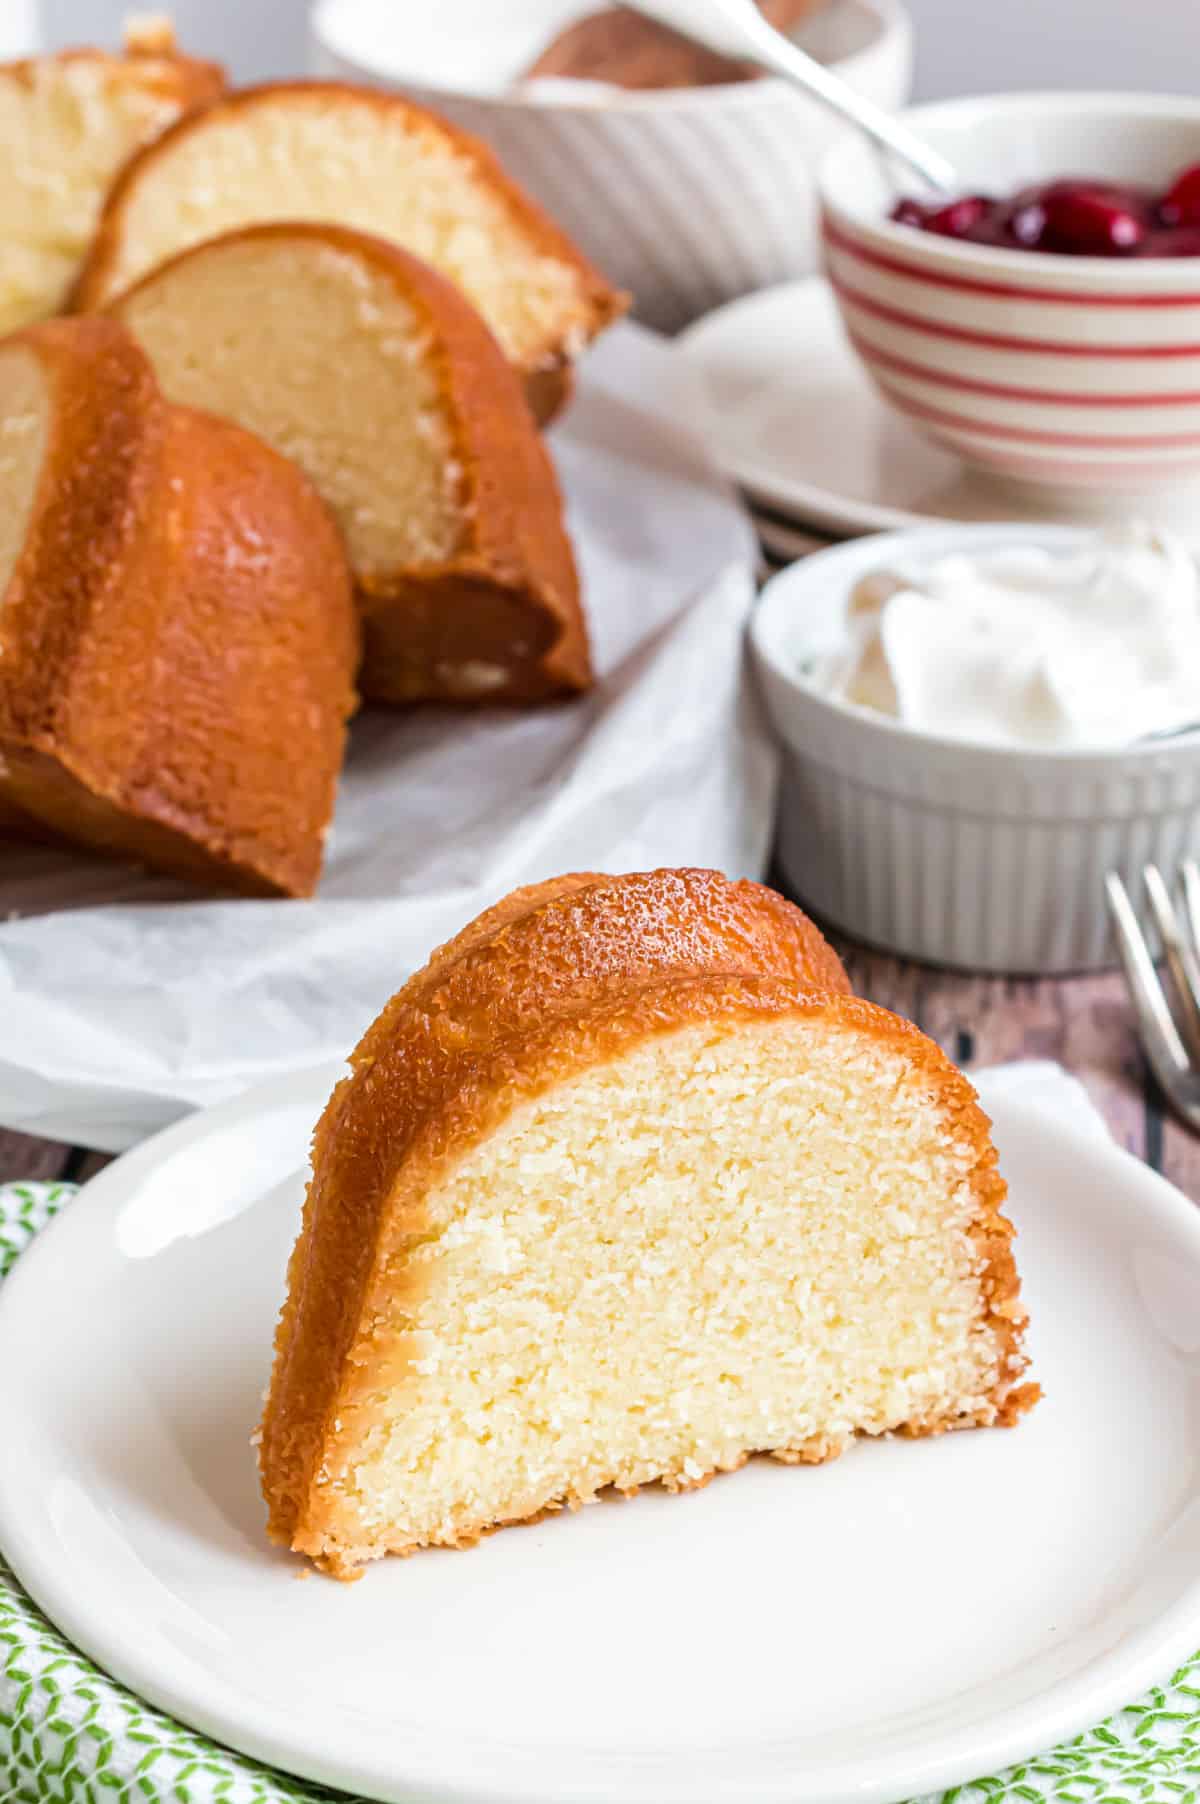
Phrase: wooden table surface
pixel 1083 1022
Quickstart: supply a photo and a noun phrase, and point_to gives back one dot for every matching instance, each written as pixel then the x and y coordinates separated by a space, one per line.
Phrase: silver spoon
pixel 736 28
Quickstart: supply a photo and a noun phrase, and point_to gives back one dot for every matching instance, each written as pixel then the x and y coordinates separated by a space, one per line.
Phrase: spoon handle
pixel 736 28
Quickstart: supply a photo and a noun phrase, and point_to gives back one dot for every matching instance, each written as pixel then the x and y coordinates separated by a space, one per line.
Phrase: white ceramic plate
pixel 908 1617
pixel 791 414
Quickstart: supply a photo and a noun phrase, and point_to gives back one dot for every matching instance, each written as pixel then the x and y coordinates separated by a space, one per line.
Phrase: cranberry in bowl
pixel 1071 216
pixel 1044 322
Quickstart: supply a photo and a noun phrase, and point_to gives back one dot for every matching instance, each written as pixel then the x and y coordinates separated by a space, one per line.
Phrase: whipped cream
pixel 1028 647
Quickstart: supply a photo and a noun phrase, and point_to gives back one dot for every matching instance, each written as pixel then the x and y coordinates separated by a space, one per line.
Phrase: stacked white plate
pixel 791 414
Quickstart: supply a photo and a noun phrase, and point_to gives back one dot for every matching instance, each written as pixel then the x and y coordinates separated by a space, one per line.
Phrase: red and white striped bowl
pixel 1077 372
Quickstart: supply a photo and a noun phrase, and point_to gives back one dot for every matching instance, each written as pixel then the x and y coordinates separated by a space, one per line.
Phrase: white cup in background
pixel 20 28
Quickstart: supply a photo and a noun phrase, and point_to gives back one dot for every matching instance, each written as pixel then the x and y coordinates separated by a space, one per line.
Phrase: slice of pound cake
pixel 624 1187
pixel 178 636
pixel 67 123
pixel 372 373
pixel 335 154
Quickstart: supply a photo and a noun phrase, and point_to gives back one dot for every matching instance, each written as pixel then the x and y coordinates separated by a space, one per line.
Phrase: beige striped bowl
pixel 1064 372
pixel 983 858
pixel 686 198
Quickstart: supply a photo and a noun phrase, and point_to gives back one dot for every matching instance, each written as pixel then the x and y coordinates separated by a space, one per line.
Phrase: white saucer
pixel 911 1616
pixel 791 414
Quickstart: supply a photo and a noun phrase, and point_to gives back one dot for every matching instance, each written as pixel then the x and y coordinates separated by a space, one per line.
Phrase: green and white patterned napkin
pixel 70 1734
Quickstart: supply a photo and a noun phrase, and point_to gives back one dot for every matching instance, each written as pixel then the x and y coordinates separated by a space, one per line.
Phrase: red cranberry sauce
pixel 1072 217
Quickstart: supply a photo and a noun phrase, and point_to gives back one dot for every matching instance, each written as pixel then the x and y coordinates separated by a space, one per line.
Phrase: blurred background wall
pixel 982 46
pixel 963 46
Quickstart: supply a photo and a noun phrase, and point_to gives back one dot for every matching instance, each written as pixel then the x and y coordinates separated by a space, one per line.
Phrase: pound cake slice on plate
pixel 331 153
pixel 178 636
pixel 67 124
pixel 383 384
pixel 626 1187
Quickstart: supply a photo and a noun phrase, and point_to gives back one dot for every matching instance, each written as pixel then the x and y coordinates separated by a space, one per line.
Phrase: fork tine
pixel 1160 1036
pixel 1181 960
pixel 1191 895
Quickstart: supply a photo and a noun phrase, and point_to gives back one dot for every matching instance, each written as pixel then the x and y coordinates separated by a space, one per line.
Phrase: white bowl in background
pixel 1071 372
pixel 21 29
pixel 983 858
pixel 686 197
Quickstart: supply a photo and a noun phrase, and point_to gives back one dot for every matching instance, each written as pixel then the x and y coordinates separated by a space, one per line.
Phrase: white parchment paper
pixel 126 1000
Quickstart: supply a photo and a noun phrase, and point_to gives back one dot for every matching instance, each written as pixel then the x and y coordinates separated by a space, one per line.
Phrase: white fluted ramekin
pixel 687 198
pixel 977 857
pixel 1071 372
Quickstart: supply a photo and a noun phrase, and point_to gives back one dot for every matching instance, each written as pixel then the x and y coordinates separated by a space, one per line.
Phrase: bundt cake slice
pixel 371 372
pixel 178 636
pixel 340 155
pixel 626 1187
pixel 67 123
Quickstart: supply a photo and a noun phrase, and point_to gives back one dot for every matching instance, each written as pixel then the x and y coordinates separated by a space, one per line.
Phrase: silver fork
pixel 1170 1036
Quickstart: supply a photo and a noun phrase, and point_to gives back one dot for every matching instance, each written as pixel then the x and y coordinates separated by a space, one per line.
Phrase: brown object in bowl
pixel 628 50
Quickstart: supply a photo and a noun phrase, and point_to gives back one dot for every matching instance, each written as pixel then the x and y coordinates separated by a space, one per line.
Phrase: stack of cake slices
pixel 356 286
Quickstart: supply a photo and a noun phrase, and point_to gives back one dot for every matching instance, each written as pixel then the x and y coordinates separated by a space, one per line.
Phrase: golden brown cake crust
pixel 14 824
pixel 396 1123
pixel 589 924
pixel 158 67
pixel 180 636
pixel 599 303
pixel 507 602
pixel 549 390
pixel 496 1010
